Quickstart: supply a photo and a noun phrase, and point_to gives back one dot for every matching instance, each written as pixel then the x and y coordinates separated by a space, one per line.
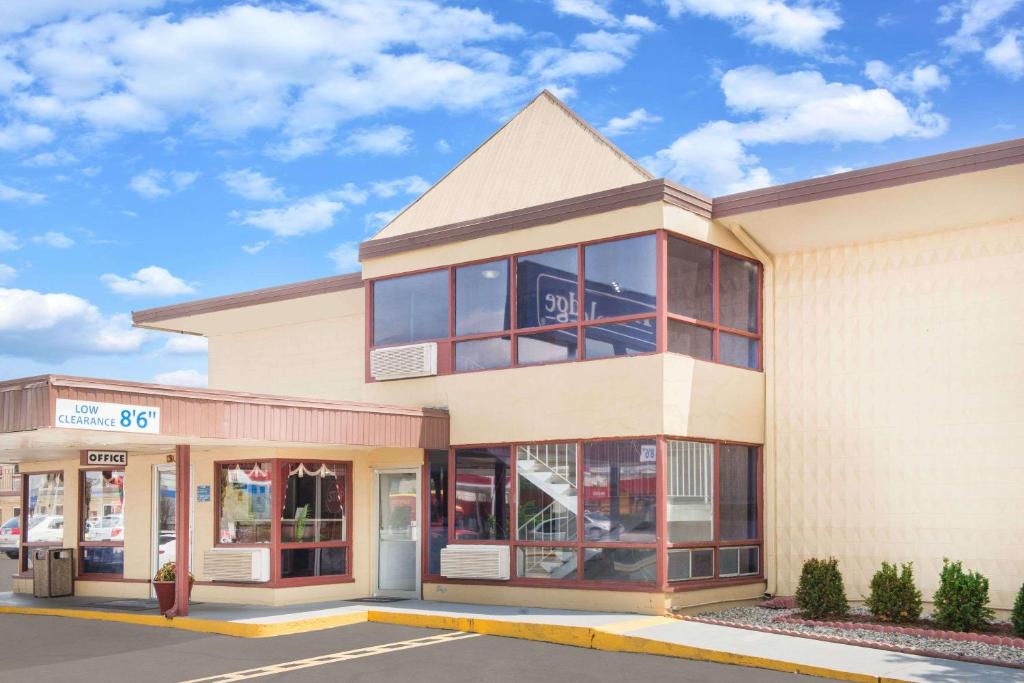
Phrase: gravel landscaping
pixel 923 643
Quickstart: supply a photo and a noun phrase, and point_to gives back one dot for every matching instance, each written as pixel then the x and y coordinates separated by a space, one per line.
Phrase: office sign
pixel 97 458
pixel 107 417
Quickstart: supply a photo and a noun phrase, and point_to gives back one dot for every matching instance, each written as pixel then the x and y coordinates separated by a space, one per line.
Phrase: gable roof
pixel 543 154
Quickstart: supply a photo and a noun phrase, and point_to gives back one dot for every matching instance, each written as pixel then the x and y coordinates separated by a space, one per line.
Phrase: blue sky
pixel 155 151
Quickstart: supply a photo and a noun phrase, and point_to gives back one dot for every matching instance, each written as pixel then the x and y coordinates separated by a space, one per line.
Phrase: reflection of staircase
pixel 547 563
pixel 552 470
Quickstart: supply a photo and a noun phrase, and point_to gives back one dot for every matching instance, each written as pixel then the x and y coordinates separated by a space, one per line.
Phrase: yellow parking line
pixel 334 658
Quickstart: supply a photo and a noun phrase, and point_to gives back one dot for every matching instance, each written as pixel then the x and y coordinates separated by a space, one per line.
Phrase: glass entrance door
pixel 398 533
pixel 165 498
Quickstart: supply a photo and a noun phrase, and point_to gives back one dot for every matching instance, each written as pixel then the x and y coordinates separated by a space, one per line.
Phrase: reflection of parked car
pixel 10 534
pixel 48 529
pixel 167 551
pixel 597 526
pixel 110 528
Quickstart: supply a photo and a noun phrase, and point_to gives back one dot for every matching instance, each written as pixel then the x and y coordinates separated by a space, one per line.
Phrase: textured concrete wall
pixel 899 392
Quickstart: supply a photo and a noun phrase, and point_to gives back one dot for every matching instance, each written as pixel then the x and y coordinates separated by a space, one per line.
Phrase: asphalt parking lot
pixel 44 649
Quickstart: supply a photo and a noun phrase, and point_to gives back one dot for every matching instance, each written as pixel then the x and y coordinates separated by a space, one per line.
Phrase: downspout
pixel 770 444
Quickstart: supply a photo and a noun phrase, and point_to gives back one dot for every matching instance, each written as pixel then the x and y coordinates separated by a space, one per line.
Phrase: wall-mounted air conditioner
pixel 475 562
pixel 237 564
pixel 400 362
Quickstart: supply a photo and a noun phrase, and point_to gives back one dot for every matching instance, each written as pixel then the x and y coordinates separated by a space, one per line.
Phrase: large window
pixel 309 534
pixel 245 503
pixel 713 510
pixel 314 519
pixel 42 520
pixel 482 494
pixel 410 308
pixel 101 542
pixel 713 304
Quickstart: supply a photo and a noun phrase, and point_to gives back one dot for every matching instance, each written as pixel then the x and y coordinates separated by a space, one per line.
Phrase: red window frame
pixel 715 325
pixel 716 544
pixel 276 546
pixel 660 544
pixel 26 547
pixel 84 544
pixel 446 345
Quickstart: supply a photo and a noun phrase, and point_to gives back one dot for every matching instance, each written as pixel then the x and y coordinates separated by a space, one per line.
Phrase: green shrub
pixel 820 592
pixel 894 597
pixel 961 603
pixel 1017 616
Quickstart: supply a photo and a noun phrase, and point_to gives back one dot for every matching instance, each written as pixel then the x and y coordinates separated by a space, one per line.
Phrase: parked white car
pixel 110 528
pixel 10 535
pixel 168 552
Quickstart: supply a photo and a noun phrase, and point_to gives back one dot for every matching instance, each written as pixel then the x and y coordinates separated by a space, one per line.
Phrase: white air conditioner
pixel 400 362
pixel 237 564
pixel 475 562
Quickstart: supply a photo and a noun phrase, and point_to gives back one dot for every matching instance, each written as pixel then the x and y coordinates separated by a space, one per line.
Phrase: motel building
pixel 559 381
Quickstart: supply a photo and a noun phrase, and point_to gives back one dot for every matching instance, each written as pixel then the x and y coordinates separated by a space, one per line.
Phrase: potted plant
pixel 163 585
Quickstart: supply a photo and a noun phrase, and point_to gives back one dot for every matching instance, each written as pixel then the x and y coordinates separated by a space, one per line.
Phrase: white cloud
pixel 13 194
pixel 60 157
pixel 1007 55
pixel 252 184
pixel 182 378
pixel 185 344
pixel 148 281
pixel 795 26
pixel 378 219
pixel 53 327
pixel 976 17
pixel 639 23
pixel 256 247
pixel 7 273
pixel 442 146
pixel 591 10
pixel 634 120
pixel 380 140
pixel 412 184
pixel 298 147
pixel 591 54
pixel 295 70
pixel 18 16
pixel 57 240
pixel 800 107
pixel 307 215
pixel 345 257
pixel 918 80
pixel 21 135
pixel 155 183
pixel 9 241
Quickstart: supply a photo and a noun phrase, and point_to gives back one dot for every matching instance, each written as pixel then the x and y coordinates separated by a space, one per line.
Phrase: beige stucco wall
pixel 899 394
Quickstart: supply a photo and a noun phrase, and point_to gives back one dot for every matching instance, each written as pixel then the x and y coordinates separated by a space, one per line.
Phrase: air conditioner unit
pixel 475 562
pixel 237 564
pixel 400 362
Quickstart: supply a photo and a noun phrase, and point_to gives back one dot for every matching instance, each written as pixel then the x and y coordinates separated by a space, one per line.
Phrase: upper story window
pixel 714 310
pixel 579 302
pixel 410 308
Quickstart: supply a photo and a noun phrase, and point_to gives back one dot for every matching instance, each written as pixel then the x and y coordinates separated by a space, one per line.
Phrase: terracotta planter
pixel 165 594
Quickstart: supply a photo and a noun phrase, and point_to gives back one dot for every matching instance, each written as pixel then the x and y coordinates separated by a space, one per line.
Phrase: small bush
pixel 961 603
pixel 1017 617
pixel 894 597
pixel 820 592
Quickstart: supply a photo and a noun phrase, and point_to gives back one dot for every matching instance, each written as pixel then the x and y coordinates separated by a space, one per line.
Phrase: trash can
pixel 52 572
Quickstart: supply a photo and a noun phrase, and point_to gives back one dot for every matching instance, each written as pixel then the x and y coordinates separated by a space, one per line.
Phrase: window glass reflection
pixel 736 350
pixel 690 340
pixel 619 491
pixel 410 308
pixel 737 485
pixel 621 339
pixel 483 488
pixel 738 281
pixel 547 347
pixel 547 288
pixel 103 505
pixel 45 511
pixel 481 298
pixel 483 354
pixel 245 490
pixel 690 272
pixel 620 277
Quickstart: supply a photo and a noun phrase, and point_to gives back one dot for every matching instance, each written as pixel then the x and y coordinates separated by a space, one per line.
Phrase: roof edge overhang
pixel 28 404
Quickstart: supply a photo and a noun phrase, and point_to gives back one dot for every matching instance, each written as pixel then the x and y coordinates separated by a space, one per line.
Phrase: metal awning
pixel 50 417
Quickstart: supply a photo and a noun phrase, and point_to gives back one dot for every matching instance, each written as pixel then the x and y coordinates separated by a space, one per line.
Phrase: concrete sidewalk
pixel 597 630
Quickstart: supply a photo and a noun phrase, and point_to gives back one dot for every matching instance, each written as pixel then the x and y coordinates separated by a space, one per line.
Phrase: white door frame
pixel 417 531
pixel 154 512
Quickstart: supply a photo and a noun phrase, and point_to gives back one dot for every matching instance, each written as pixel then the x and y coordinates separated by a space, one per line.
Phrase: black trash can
pixel 53 572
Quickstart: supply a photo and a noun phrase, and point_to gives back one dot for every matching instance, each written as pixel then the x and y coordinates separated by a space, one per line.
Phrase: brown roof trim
pixel 874 178
pixel 335 283
pixel 26 404
pixel 563 209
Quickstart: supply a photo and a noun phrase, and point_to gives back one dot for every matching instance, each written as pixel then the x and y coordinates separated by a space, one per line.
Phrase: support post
pixel 183 532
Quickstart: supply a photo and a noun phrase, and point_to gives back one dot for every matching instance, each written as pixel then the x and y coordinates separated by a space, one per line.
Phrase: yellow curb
pixel 224 628
pixel 606 638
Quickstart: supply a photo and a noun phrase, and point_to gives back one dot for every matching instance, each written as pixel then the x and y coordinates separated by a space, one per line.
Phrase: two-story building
pixel 560 381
